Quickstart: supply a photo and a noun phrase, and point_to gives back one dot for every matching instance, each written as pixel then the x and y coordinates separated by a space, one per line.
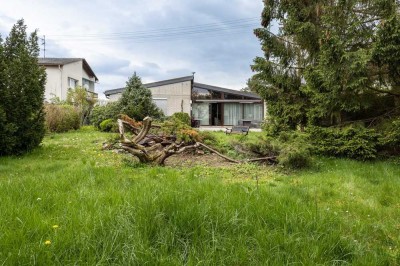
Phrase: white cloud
pixel 98 31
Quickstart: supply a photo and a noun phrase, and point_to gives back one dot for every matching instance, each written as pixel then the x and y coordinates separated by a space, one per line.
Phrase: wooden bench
pixel 238 130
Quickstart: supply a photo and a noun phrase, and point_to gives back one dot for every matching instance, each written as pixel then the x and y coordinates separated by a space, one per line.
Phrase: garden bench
pixel 238 130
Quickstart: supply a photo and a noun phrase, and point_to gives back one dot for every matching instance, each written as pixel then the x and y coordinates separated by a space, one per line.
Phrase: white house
pixel 66 73
pixel 207 105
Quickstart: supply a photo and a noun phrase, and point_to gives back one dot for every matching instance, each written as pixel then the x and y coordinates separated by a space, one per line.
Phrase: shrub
pixel 183 132
pixel 22 85
pixel 389 141
pixel 109 125
pixel 183 117
pixel 61 118
pixel 352 142
pixel 208 138
pixel 294 155
pixel 101 113
pixel 83 101
pixel 290 147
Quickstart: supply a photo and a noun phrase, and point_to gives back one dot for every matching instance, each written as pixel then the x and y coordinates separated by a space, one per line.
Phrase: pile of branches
pixel 155 149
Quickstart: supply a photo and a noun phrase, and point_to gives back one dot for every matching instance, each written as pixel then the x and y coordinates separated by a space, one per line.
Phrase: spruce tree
pixel 22 85
pixel 136 100
pixel 331 62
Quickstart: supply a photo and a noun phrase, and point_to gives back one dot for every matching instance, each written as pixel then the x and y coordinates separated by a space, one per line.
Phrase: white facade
pixel 62 74
pixel 171 98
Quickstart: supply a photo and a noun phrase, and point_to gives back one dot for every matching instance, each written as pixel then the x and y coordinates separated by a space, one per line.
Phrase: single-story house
pixel 207 105
pixel 66 73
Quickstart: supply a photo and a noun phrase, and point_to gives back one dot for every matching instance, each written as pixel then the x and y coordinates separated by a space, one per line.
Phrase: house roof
pixel 64 61
pixel 195 84
pixel 153 84
pixel 225 90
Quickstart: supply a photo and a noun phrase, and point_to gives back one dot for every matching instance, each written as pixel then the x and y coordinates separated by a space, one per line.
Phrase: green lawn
pixel 68 202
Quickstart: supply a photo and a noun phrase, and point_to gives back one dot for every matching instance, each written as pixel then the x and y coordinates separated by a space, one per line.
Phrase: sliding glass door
pixel 232 113
pixel 201 112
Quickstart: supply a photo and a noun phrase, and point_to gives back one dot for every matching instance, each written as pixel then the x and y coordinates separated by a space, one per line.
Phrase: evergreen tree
pixel 136 100
pixel 331 62
pixel 22 83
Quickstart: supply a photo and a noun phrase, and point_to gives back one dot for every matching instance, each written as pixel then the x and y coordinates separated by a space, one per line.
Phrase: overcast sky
pixel 159 39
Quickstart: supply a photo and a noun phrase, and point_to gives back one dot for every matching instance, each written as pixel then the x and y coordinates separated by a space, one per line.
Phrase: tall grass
pixel 98 207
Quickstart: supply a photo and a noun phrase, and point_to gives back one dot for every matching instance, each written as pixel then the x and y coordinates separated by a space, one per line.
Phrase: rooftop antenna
pixel 44 45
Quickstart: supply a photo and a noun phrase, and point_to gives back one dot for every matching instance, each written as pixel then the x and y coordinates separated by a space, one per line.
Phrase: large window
pixel 232 113
pixel 201 112
pixel 203 94
pixel 252 111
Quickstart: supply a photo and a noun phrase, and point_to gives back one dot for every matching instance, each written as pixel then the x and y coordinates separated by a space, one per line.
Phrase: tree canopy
pixel 331 62
pixel 136 100
pixel 22 85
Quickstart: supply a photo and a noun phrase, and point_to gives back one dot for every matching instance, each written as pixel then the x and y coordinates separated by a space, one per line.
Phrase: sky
pixel 159 39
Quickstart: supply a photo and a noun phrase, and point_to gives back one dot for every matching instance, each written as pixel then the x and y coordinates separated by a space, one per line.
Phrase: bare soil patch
pixel 197 159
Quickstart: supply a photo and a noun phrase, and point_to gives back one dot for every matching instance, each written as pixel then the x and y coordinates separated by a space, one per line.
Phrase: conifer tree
pixel 331 62
pixel 22 84
pixel 136 100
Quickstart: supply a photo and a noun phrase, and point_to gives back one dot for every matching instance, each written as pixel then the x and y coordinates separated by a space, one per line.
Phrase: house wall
pixel 178 96
pixel 72 70
pixel 57 79
pixel 53 86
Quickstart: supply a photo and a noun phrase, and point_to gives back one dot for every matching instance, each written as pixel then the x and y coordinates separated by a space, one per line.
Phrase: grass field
pixel 69 202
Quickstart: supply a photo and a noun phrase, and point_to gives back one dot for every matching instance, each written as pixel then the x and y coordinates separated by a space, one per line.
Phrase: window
pixel 203 94
pixel 201 111
pixel 88 84
pixel 72 83
pixel 252 112
pixel 162 104
pixel 229 96
pixel 232 113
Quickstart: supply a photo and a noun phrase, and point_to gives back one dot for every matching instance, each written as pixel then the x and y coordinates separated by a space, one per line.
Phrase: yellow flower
pixel 55 226
pixel 47 242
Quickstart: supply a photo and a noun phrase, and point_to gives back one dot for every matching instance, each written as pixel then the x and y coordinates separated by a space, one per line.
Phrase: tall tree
pixel 22 92
pixel 331 61
pixel 136 100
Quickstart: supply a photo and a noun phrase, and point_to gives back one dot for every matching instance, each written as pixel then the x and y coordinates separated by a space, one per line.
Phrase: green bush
pixel 294 155
pixel 109 125
pixel 352 142
pixel 389 141
pixel 22 85
pixel 290 147
pixel 61 118
pixel 183 117
pixel 101 113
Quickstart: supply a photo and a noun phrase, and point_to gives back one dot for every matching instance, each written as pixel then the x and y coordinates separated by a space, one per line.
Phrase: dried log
pixel 156 149
pixel 219 154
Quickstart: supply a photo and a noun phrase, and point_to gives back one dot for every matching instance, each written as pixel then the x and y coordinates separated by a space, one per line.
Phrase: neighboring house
pixel 207 105
pixel 66 73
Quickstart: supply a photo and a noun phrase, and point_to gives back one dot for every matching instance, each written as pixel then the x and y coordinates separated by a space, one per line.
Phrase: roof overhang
pixel 152 84
pixel 225 90
pixel 228 101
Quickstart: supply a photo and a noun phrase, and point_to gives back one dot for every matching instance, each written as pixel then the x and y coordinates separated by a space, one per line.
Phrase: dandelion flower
pixel 47 242
pixel 55 226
